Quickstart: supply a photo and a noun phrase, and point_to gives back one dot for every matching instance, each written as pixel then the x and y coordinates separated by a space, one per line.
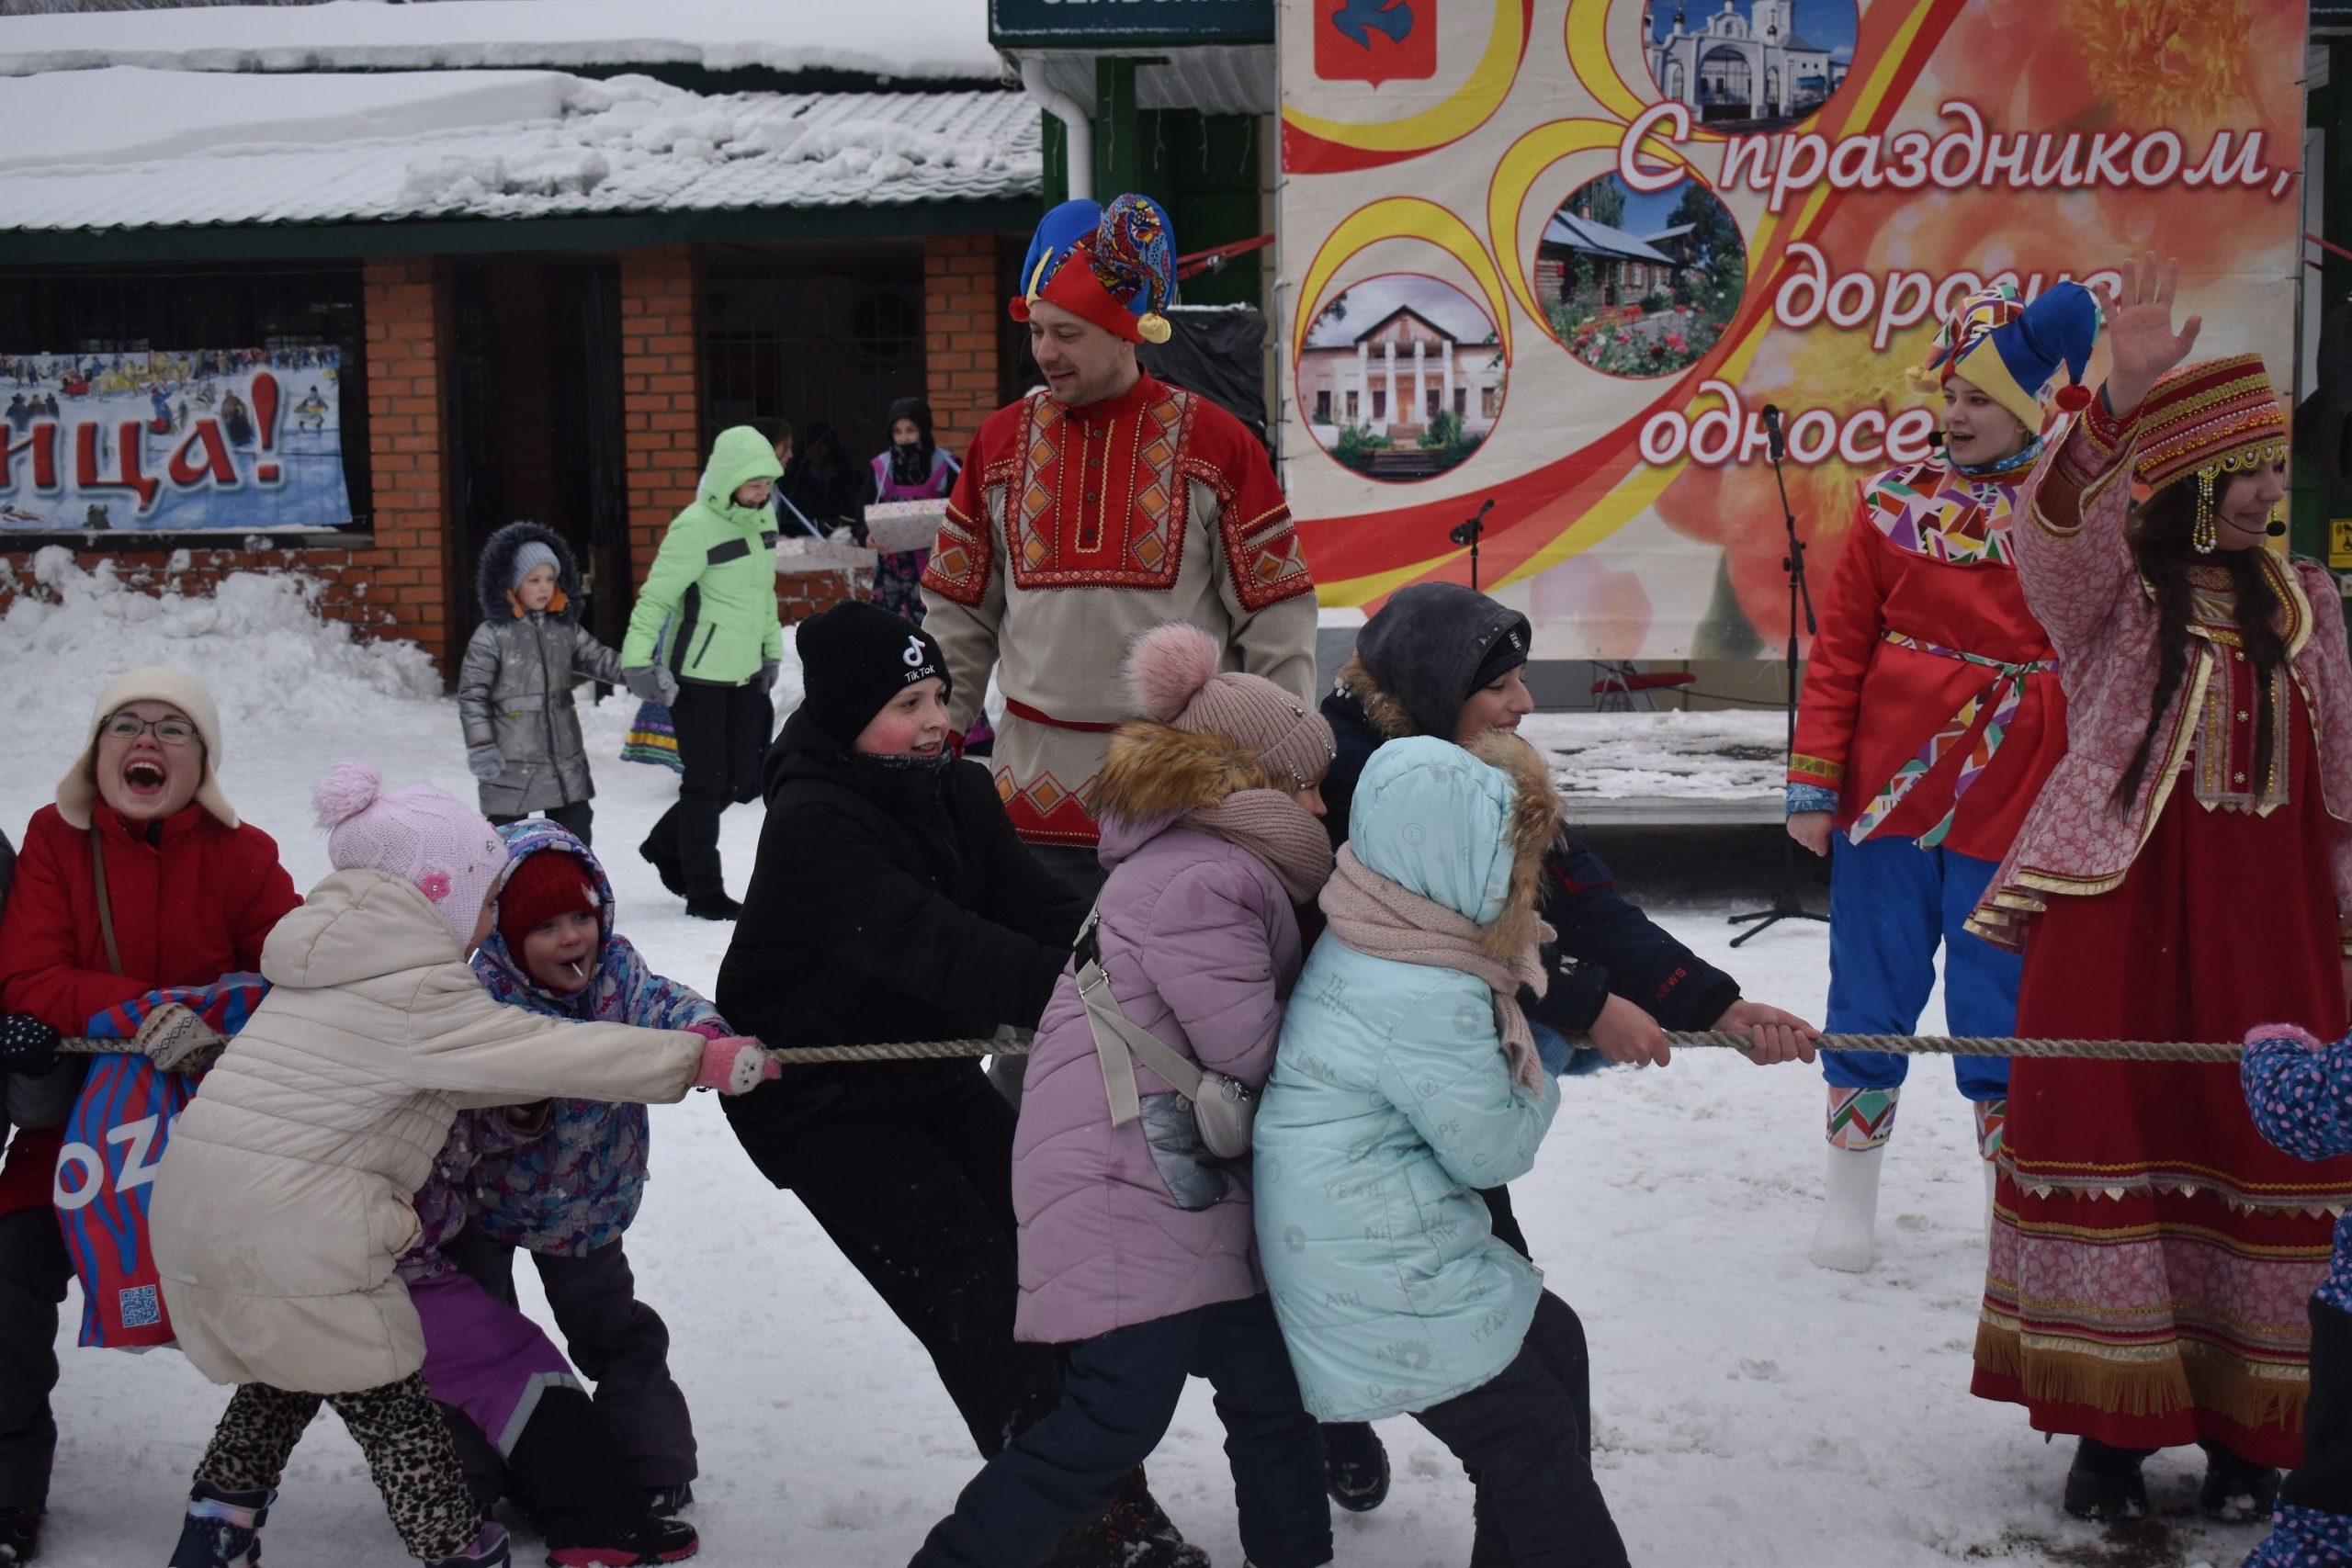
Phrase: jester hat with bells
pixel 2011 349
pixel 1114 266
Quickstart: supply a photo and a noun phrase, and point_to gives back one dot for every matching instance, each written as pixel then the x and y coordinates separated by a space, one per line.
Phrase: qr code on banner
pixel 138 1307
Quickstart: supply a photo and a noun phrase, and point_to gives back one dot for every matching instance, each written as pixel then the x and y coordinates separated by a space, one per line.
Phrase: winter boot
pixel 668 1501
pixel 223 1528
pixel 2104 1483
pixel 488 1550
pixel 2236 1491
pixel 663 859
pixel 1860 1121
pixel 1132 1532
pixel 714 907
pixel 1355 1466
pixel 584 1500
pixel 19 1535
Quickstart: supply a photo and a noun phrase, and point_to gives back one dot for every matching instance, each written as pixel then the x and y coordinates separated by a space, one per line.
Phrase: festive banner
pixel 249 439
pixel 1560 254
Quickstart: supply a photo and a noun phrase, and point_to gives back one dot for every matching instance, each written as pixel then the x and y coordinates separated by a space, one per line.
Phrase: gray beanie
pixel 530 558
pixel 1431 643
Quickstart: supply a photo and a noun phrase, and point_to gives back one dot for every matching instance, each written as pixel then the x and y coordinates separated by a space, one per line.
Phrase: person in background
pixel 1930 715
pixel 704 639
pixel 514 684
pixel 139 876
pixel 913 468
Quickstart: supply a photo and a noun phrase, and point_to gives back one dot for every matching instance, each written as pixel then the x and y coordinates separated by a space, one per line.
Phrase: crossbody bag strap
pixel 105 905
pixel 1118 1040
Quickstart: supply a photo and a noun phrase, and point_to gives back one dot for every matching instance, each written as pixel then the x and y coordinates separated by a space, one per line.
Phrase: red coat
pixel 192 901
pixel 1929 562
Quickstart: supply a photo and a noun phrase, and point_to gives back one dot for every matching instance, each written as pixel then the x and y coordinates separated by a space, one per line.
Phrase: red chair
pixel 1622 681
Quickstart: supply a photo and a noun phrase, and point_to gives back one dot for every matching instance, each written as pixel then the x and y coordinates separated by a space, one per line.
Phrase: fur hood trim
pixel 497 569
pixel 1388 717
pixel 1535 828
pixel 1156 770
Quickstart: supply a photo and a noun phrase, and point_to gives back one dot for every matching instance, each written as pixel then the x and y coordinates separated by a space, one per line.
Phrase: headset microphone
pixel 2276 528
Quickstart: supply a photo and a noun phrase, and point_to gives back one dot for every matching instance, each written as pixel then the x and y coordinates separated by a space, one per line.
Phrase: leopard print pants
pixel 398 1426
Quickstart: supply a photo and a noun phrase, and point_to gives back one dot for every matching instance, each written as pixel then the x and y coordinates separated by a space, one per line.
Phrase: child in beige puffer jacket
pixel 283 1200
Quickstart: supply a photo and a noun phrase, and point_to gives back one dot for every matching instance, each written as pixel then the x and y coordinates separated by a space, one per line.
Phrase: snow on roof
pixel 1376 299
pixel 125 148
pixel 917 39
pixel 1583 235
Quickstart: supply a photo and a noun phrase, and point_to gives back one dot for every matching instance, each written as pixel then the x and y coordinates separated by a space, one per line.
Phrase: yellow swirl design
pixel 1398 217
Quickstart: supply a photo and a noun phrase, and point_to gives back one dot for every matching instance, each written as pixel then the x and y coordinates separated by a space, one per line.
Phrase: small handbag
pixel 1222 1107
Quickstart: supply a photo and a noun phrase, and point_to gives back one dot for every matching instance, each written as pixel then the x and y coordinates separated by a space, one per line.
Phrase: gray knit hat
pixel 530 556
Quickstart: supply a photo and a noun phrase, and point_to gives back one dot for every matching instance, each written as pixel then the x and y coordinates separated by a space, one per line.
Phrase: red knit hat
pixel 552 882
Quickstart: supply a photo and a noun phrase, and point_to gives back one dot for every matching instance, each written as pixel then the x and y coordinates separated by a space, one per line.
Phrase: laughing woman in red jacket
pixel 139 876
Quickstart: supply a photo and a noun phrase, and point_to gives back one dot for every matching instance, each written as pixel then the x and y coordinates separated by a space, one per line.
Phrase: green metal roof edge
pixel 475 236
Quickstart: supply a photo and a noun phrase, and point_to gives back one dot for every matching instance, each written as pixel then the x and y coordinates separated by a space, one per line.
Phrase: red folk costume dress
pixel 1072 531
pixel 2151 1253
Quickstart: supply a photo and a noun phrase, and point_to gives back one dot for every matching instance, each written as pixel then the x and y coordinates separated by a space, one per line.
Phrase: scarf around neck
pixel 1275 829
pixel 1380 919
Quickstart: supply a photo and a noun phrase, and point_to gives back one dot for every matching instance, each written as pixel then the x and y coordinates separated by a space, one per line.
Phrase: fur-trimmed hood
pixel 494 578
pixel 1426 649
pixel 1155 771
pixel 1467 827
pixel 1383 711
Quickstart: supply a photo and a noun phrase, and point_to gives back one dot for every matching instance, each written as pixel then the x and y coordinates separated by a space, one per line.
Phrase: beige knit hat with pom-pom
pixel 1173 676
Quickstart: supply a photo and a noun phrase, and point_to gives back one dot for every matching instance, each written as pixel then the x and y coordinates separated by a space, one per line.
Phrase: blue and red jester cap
pixel 2010 349
pixel 1114 266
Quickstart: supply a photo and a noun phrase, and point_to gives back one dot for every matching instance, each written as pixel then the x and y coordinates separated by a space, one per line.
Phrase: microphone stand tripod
pixel 1786 905
pixel 1468 533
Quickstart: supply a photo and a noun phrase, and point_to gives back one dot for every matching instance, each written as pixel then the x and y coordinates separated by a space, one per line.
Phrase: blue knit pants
pixel 1892 904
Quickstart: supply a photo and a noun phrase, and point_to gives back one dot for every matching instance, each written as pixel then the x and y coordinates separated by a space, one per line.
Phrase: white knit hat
pixel 154 683
pixel 444 849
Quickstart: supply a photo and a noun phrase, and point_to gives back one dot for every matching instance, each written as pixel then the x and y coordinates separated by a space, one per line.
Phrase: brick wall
pixel 660 402
pixel 399 586
pixel 965 283
pixel 800 594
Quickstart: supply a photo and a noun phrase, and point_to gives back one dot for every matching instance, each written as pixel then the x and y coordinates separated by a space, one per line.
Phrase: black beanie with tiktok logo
pixel 855 658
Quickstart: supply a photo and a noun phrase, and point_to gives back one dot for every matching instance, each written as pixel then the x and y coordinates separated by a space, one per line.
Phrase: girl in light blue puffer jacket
pixel 1408 1079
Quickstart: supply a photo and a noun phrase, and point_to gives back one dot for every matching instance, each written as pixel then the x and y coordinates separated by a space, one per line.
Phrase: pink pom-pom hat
pixel 1173 678
pixel 441 847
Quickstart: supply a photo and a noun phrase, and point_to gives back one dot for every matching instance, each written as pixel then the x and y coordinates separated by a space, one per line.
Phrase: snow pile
pixel 906 40
pixel 1697 756
pixel 257 643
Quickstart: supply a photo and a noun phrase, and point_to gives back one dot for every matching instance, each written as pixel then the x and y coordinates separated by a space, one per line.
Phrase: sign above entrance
pixel 168 440
pixel 1095 24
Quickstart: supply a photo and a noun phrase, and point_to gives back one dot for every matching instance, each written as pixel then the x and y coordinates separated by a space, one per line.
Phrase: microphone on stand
pixel 1772 431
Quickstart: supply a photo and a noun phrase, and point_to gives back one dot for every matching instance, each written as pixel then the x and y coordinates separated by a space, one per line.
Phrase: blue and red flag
pixel 114 1142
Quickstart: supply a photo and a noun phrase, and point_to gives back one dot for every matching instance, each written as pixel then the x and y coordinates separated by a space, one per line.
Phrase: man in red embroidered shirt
pixel 1094 510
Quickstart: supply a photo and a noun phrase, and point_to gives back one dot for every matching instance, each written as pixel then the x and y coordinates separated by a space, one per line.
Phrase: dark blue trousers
pixel 1892 904
pixel 1119 1392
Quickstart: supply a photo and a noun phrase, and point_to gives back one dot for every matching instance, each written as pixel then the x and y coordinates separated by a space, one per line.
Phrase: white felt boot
pixel 1846 1239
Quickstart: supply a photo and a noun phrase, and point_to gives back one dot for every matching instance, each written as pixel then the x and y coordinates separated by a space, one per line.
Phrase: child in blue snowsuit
pixel 2300 1093
pixel 567 1196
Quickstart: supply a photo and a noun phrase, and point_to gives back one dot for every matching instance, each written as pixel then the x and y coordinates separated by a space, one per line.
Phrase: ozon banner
pixel 1560 254
pixel 163 440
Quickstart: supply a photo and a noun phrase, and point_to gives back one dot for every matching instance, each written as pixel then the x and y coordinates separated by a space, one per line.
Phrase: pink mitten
pixel 709 1028
pixel 736 1064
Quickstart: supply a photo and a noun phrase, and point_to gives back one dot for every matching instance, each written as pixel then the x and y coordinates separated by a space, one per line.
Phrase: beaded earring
pixel 2201 537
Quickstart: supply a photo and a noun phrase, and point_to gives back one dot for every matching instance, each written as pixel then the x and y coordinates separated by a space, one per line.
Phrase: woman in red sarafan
pixel 2183 875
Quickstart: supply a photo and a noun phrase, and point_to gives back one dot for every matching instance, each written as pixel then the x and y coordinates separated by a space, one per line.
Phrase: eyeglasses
pixel 130 727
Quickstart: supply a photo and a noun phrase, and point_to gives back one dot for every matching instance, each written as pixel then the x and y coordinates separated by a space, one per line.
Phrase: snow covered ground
pixel 1749 1408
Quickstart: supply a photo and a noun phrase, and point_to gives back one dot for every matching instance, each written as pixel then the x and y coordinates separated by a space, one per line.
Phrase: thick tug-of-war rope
pixel 1901 1045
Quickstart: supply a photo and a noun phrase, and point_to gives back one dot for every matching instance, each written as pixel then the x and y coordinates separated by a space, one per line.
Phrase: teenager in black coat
pixel 1443 660
pixel 891 901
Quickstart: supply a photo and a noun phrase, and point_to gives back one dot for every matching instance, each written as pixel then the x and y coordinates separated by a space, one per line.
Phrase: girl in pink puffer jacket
pixel 1135 1243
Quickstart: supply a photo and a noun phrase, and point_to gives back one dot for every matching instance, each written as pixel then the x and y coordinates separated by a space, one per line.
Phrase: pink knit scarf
pixel 1377 916
pixel 1275 829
